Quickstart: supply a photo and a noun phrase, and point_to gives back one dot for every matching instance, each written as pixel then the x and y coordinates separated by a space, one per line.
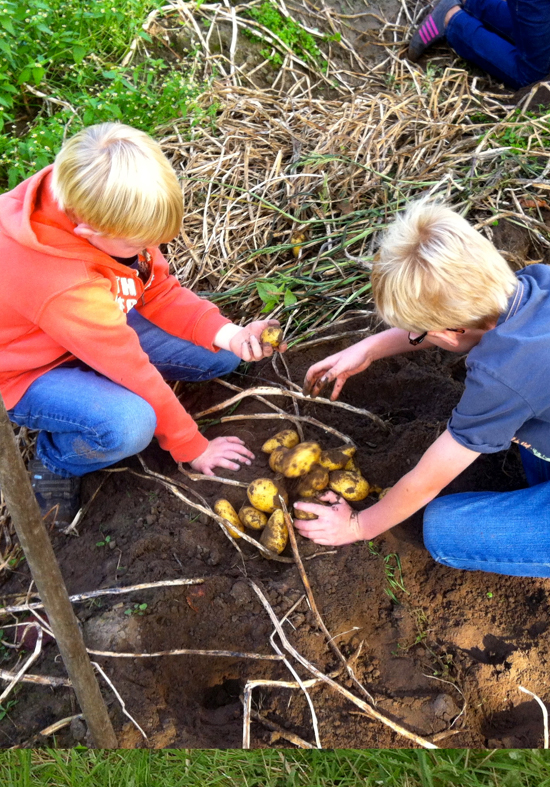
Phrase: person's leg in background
pixel 511 41
pixel 499 532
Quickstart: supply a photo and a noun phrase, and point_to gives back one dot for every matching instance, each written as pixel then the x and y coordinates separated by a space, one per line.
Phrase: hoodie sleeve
pixel 87 321
pixel 179 311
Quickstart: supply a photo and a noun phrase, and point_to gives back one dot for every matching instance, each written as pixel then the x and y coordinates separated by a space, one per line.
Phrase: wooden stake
pixel 44 567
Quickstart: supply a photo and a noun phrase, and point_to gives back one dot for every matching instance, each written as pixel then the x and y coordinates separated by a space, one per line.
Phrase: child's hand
pixel 334 525
pixel 246 343
pixel 220 453
pixel 339 367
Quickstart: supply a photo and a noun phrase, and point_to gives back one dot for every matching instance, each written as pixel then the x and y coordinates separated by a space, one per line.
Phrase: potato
pixel 272 335
pixel 264 493
pixel 275 533
pixel 298 514
pixel 251 517
pixel 352 466
pixel 336 458
pixel 299 460
pixel 352 486
pixel 288 438
pixel 383 492
pixel 224 509
pixel 276 457
pixel 313 482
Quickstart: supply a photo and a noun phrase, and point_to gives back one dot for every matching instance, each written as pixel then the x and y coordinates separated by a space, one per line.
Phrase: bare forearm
pixel 394 341
pixel 403 500
pixel 443 461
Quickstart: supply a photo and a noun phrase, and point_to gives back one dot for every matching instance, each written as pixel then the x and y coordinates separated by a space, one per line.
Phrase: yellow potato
pixel 353 466
pixel 276 457
pixel 275 533
pixel 299 460
pixel 383 492
pixel 298 514
pixel 251 517
pixel 272 335
pixel 264 493
pixel 224 509
pixel 313 482
pixel 288 438
pixel 336 458
pixel 351 486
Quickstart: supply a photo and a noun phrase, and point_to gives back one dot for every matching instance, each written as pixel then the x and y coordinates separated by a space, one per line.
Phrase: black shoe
pixel 58 498
pixel 432 29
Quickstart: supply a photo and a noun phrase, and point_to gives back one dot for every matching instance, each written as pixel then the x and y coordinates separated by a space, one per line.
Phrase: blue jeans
pixel 500 532
pixel 87 422
pixel 510 40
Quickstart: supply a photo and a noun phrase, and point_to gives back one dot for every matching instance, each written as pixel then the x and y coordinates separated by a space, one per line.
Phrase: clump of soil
pixel 442 651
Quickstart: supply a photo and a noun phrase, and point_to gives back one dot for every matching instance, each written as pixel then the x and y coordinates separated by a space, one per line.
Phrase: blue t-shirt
pixel 507 393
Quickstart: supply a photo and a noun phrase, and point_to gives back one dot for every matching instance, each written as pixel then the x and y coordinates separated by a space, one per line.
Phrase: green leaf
pixel 269 306
pixel 24 76
pixel 79 53
pixel 268 292
pixel 143 606
pixel 290 298
pixel 7 25
pixel 37 74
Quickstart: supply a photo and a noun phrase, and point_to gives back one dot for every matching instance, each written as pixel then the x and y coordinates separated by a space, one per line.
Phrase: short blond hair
pixel 435 271
pixel 117 179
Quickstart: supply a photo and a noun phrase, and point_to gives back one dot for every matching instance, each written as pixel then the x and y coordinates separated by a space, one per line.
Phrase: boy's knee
pixel 130 429
pixel 225 363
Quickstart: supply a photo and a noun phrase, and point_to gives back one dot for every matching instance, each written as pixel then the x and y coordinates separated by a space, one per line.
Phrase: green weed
pixel 287 30
pixel 71 53
pixel 136 609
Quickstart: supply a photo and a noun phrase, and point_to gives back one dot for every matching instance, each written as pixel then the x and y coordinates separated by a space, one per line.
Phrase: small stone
pixel 298 620
pixel 78 729
pixel 150 519
pixel 444 707
pixel 241 593
pixel 112 543
pixel 214 558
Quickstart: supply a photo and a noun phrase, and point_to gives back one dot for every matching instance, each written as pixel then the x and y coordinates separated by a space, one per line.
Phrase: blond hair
pixel 435 271
pixel 117 179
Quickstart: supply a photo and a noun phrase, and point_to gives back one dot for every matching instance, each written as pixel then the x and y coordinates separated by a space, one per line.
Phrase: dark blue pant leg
pixel 517 56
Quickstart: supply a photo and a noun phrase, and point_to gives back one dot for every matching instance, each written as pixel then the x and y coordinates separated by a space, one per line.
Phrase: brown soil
pixel 450 639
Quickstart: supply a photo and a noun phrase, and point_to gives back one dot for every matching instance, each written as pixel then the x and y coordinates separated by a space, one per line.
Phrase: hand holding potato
pixel 247 343
pixel 334 525
pixel 222 452
pixel 338 367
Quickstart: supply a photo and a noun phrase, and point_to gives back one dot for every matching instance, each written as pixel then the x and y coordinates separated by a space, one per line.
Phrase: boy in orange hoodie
pixel 92 323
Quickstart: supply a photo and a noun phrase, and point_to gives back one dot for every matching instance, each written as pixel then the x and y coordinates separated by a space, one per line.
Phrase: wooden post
pixel 34 539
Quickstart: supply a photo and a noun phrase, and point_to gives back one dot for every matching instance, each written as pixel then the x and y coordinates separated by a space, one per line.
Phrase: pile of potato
pixel 310 470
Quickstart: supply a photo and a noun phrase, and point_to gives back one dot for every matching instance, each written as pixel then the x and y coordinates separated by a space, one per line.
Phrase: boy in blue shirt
pixel 441 283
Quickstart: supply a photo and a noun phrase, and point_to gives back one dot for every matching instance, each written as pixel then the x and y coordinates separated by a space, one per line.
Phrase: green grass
pixel 268 768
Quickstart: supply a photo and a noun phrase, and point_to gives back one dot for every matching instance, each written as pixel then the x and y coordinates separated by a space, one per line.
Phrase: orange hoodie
pixel 61 298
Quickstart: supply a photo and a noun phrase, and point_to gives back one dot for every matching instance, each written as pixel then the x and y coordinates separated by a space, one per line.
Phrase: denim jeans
pixel 500 532
pixel 77 410
pixel 510 40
